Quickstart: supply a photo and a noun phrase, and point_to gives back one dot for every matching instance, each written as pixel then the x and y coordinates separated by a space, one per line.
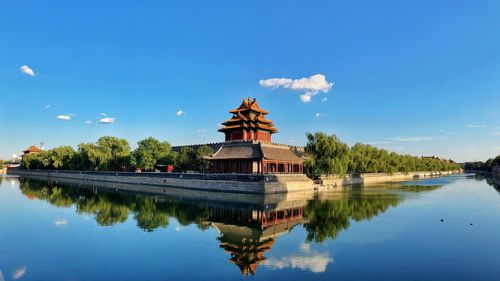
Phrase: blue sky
pixel 416 77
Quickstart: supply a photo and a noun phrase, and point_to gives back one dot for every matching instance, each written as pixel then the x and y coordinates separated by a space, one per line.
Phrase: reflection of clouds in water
pixel 316 262
pixel 1 276
pixel 305 248
pixel 19 273
pixel 306 260
pixel 61 222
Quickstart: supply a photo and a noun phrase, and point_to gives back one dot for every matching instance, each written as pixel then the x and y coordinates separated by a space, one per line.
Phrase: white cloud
pixel 475 126
pixel 180 112
pixel 309 86
pixel 107 120
pixel 64 117
pixel 275 82
pixel 19 273
pixel 306 97
pixel 47 106
pixel 324 99
pixel 316 263
pixel 317 115
pixel 27 70
pixel 413 139
pixel 88 122
pixel 446 132
pixel 16 156
pixel 379 142
pixel 61 222
pixel 316 82
pixel 496 133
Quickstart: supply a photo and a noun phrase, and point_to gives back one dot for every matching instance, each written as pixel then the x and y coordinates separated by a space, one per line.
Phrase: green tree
pixel 33 161
pixel 186 159
pixel 90 157
pixel 203 164
pixel 151 152
pixel 116 151
pixel 326 154
pixel 61 157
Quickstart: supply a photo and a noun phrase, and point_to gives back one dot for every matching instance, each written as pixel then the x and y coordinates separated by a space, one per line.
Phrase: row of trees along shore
pixel 115 154
pixel 483 166
pixel 326 154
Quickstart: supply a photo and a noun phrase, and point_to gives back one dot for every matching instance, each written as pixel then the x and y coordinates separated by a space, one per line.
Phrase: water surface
pixel 436 229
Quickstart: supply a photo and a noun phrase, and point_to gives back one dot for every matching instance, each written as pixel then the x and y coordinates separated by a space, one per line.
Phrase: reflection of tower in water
pixel 247 234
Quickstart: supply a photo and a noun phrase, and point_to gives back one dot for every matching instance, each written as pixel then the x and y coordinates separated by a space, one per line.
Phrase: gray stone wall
pixel 329 181
pixel 156 182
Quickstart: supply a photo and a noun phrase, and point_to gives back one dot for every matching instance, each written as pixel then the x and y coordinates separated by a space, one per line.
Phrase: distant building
pixel 248 147
pixel 437 158
pixel 32 149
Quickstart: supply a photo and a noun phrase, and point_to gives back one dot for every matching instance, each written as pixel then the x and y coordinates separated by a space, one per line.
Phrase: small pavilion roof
pixel 248 104
pixel 32 149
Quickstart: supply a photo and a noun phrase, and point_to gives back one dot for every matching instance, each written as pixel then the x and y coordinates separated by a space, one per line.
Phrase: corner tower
pixel 248 123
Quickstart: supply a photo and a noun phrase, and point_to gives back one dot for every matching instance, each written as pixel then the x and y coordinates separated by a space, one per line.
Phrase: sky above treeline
pixel 415 77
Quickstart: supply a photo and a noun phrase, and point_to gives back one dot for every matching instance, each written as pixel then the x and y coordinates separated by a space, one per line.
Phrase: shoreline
pixel 162 183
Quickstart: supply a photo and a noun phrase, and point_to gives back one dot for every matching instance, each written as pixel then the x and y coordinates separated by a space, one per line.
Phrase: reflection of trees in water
pixel 326 219
pixel 246 232
pixel 418 188
pixel 111 208
pixel 495 182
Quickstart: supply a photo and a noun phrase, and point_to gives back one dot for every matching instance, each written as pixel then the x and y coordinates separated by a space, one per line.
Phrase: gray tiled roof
pixel 255 150
pixel 281 153
pixel 244 150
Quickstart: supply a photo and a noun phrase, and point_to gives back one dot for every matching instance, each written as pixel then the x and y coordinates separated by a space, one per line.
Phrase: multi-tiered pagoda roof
pixel 248 123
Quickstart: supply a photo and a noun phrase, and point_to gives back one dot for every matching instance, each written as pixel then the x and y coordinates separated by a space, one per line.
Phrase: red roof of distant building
pixel 32 149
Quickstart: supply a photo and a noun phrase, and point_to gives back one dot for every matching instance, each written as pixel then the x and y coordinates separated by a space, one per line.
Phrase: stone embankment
pixel 333 181
pixel 238 183
pixel 159 182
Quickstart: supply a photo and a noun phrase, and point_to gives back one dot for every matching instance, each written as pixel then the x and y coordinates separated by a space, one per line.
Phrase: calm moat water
pixel 50 231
